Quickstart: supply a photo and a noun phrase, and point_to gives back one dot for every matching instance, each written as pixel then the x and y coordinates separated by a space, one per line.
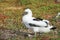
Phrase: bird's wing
pixel 46 21
pixel 37 23
pixel 37 19
pixel 40 19
pixel 33 25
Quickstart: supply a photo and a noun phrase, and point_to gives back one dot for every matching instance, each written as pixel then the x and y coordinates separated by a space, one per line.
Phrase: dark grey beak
pixel 25 13
pixel 53 28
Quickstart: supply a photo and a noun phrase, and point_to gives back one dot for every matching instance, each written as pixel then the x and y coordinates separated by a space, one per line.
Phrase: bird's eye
pixel 25 13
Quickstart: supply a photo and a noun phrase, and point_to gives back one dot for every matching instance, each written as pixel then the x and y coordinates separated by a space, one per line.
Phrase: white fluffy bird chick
pixel 28 20
pixel 58 15
pixel 37 24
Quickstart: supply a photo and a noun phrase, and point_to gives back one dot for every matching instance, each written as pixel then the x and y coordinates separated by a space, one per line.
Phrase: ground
pixel 11 15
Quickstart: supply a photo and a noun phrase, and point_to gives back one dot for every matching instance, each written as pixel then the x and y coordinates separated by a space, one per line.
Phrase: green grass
pixel 40 8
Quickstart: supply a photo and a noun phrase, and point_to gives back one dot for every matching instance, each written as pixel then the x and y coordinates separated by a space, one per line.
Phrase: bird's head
pixel 59 14
pixel 27 12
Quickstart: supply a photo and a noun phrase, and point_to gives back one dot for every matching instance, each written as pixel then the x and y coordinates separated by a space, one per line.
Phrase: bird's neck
pixel 27 16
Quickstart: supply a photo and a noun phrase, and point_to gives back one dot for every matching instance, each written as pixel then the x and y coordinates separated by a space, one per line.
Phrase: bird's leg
pixel 35 36
pixel 53 35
